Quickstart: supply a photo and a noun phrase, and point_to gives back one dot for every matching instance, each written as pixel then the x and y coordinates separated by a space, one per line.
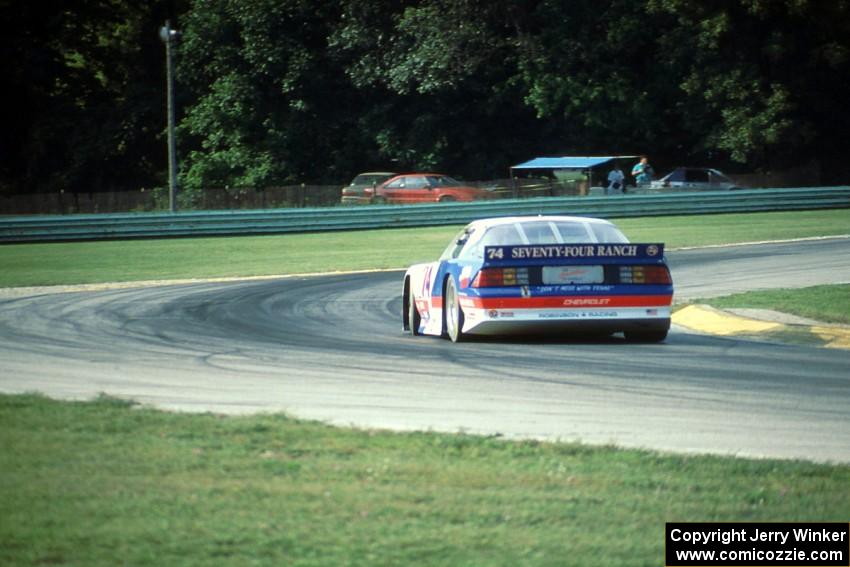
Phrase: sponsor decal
pixel 579 301
pixel 566 251
pixel 552 289
pixel 577 314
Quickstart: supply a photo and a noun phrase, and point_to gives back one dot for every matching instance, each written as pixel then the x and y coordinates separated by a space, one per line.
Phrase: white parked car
pixel 695 179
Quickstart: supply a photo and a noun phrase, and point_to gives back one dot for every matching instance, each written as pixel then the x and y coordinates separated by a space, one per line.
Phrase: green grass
pixel 826 303
pixel 115 261
pixel 106 483
pixel 680 232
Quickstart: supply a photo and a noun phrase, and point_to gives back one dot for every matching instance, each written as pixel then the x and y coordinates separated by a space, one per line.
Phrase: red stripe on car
pixel 549 302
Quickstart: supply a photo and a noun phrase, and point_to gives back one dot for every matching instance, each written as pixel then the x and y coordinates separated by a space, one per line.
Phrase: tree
pixel 751 81
pixel 268 105
pixel 288 91
pixel 85 86
pixel 445 72
pixel 770 77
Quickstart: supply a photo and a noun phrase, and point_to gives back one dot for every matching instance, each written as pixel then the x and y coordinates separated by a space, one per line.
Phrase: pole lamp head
pixel 167 35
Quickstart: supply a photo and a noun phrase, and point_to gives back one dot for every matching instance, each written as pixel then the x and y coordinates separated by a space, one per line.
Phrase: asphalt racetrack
pixel 331 348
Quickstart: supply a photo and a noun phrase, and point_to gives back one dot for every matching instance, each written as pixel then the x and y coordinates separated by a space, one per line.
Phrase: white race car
pixel 540 274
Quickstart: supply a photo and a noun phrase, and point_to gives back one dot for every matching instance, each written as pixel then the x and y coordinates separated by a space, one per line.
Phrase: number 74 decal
pixel 495 253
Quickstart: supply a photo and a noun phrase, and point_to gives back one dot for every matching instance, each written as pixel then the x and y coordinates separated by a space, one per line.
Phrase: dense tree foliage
pixel 284 91
pixel 762 77
pixel 83 84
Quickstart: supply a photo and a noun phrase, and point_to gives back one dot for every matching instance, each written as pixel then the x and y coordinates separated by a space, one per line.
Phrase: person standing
pixel 615 180
pixel 643 172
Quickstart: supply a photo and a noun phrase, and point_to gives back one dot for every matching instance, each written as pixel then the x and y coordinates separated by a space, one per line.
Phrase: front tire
pixel 452 313
pixel 413 317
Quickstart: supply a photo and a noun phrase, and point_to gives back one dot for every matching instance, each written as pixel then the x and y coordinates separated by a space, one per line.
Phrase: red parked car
pixel 425 188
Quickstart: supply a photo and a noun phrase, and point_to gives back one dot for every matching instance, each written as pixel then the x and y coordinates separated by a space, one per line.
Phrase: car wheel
pixel 413 317
pixel 452 313
pixel 447 199
pixel 646 335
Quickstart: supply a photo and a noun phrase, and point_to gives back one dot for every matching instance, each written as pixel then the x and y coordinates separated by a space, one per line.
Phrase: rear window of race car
pixel 542 232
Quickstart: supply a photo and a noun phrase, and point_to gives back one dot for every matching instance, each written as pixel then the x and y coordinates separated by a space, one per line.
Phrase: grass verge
pixel 106 483
pixel 134 260
pixel 825 303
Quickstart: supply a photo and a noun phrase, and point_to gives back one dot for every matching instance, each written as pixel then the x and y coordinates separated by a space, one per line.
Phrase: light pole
pixel 169 36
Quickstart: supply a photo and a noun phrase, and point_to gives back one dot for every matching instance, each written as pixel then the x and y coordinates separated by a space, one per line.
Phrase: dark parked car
pixel 695 179
pixel 355 193
pixel 426 188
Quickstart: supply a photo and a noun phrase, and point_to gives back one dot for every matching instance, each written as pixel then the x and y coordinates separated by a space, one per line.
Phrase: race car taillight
pixel 645 275
pixel 501 277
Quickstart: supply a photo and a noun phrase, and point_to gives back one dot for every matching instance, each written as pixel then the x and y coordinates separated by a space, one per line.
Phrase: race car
pixel 543 274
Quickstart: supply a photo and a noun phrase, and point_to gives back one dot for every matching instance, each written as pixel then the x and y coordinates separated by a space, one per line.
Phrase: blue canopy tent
pixel 570 163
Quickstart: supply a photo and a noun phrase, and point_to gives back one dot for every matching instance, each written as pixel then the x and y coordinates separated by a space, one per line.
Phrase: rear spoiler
pixel 585 253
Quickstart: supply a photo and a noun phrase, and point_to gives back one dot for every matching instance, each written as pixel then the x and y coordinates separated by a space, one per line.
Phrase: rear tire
pixel 413 317
pixel 452 313
pixel 447 199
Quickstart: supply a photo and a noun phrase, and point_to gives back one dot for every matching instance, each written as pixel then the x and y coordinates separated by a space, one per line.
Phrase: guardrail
pixel 225 223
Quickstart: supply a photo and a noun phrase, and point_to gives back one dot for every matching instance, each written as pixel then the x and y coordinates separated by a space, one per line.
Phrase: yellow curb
pixel 709 320
pixel 834 337
pixel 706 319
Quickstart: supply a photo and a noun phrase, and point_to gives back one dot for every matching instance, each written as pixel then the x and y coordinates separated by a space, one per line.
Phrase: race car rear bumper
pixel 534 321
